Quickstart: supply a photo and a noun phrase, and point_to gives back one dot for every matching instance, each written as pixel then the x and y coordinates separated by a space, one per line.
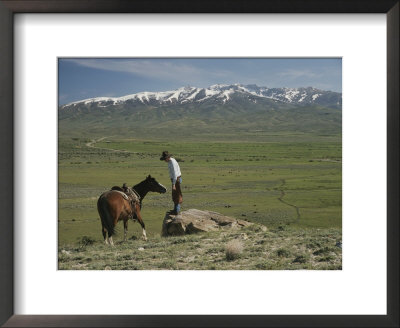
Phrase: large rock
pixel 193 221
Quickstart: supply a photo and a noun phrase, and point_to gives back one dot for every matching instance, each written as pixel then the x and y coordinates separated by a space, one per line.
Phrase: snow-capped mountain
pixel 220 94
pixel 220 109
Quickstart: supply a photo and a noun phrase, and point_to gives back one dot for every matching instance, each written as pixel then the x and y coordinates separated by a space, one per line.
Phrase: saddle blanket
pixel 123 195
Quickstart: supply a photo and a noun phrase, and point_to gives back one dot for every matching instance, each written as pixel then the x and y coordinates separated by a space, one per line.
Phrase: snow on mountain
pixel 222 93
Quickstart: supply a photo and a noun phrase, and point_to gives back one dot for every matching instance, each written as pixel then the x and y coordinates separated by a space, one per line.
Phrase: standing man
pixel 176 179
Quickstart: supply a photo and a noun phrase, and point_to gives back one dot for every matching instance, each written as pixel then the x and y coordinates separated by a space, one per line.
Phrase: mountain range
pixel 220 108
pixel 219 93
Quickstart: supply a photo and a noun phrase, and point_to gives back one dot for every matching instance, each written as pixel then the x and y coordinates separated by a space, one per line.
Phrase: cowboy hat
pixel 165 155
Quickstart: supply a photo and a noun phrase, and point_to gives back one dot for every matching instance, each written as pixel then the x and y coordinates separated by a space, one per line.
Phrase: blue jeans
pixel 177 207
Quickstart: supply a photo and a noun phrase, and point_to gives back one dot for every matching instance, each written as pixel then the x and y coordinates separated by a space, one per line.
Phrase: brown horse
pixel 113 206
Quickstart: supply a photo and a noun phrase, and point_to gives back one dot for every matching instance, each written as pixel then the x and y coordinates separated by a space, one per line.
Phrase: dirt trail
pixel 286 203
pixel 91 144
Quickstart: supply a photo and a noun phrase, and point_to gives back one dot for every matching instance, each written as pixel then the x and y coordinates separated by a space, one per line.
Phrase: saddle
pixel 130 195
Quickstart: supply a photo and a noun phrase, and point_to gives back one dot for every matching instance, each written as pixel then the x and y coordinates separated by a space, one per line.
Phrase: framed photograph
pixel 235 153
pixel 253 149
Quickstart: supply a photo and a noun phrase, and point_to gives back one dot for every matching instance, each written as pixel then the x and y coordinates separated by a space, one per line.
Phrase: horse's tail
pixel 106 218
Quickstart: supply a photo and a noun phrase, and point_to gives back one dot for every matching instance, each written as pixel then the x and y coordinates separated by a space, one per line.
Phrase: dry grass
pixel 248 249
pixel 233 249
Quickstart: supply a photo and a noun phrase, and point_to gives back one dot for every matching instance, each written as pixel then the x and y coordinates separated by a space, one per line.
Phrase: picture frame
pixel 8 196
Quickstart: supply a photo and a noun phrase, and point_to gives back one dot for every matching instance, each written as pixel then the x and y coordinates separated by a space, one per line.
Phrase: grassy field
pixel 277 249
pixel 285 182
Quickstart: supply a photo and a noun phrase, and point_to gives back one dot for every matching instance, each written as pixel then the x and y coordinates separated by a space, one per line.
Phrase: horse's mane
pixel 136 186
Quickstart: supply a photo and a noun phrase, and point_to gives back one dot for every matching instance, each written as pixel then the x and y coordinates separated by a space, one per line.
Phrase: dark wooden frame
pixel 9 7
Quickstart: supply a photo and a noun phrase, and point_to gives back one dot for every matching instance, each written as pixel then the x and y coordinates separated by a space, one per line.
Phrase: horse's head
pixel 154 185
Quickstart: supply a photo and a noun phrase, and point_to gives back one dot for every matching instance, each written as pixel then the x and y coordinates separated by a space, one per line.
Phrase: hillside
pixel 283 248
pixel 217 109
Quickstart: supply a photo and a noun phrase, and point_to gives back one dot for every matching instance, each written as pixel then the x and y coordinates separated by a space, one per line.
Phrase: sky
pixel 82 78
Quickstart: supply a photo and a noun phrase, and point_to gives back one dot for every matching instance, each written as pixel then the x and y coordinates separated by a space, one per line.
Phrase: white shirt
pixel 174 170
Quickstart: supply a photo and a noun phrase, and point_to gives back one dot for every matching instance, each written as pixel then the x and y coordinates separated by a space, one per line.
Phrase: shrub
pixel 322 251
pixel 179 241
pixel 86 241
pixel 326 259
pixel 313 244
pixel 233 250
pixel 168 264
pixel 261 266
pixel 300 259
pixel 281 252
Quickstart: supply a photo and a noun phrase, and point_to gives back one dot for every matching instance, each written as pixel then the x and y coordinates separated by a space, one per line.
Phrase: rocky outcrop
pixel 194 221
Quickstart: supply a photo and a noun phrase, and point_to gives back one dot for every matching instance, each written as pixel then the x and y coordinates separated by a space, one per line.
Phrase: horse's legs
pixel 104 231
pixel 115 215
pixel 139 217
pixel 125 229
